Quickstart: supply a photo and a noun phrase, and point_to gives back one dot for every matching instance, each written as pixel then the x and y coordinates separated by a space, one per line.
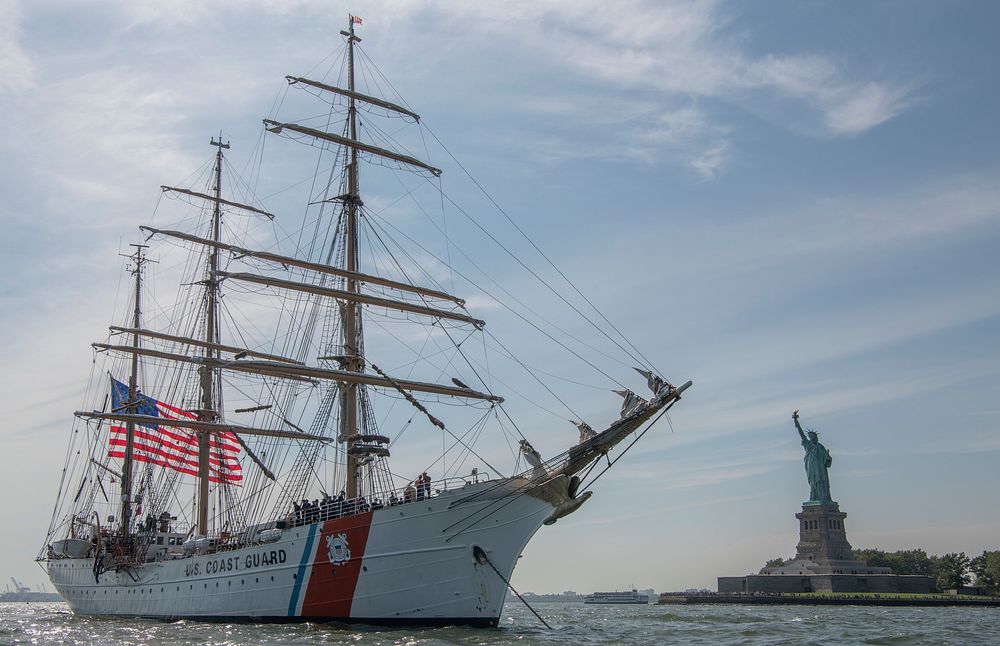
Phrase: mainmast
pixel 351 324
pixel 351 374
pixel 133 393
pixel 208 411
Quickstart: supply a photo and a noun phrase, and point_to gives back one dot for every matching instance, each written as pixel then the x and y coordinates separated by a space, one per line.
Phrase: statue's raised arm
pixel 795 418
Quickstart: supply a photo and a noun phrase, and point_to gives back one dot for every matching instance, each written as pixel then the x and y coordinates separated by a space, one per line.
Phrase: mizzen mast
pixel 208 411
pixel 351 323
pixel 138 261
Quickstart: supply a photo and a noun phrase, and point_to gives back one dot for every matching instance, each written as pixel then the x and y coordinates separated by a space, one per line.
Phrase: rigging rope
pixel 646 363
pixel 507 307
pixel 482 558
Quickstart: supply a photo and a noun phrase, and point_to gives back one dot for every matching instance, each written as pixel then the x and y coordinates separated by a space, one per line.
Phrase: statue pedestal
pixel 824 563
pixel 822 536
pixel 823 547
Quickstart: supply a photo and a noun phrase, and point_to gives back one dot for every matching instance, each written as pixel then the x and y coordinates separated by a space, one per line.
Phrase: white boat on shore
pixel 617 598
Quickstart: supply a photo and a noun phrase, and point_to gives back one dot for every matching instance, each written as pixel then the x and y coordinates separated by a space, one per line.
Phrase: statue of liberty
pixel 817 460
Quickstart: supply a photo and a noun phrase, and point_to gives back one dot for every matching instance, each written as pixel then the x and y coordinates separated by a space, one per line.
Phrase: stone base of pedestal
pixel 827 583
pixel 824 562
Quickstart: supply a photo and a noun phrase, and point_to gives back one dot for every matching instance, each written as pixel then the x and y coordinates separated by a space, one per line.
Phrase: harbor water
pixel 53 623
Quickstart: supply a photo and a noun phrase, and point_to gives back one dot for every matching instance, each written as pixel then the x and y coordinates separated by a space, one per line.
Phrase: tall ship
pixel 630 597
pixel 231 460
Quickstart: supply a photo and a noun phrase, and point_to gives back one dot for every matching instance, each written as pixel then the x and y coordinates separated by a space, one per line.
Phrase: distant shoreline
pixel 822 599
pixel 29 597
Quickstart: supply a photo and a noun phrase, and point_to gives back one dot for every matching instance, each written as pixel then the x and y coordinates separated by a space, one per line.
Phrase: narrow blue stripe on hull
pixel 293 604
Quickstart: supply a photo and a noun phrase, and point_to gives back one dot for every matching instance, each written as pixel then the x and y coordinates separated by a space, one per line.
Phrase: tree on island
pixel 778 562
pixel 986 567
pixel 951 570
pixel 948 571
pixel 904 562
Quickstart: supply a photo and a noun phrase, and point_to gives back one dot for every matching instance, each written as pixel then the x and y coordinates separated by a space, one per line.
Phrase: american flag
pixel 355 20
pixel 169 446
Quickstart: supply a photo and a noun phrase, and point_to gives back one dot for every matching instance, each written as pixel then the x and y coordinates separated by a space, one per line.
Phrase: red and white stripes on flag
pixel 171 447
pixel 355 20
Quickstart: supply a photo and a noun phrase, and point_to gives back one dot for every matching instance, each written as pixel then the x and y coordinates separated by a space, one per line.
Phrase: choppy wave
pixel 576 624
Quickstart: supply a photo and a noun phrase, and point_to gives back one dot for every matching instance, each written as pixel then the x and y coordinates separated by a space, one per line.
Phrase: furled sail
pixel 382 103
pixel 203 344
pixel 357 297
pixel 288 261
pixel 306 373
pixel 276 127
pixel 218 200
pixel 197 425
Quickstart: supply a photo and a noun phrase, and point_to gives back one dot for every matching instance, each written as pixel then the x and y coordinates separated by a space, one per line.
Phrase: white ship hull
pixel 414 563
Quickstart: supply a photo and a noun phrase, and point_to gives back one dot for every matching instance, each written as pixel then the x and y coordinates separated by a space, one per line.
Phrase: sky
pixel 794 204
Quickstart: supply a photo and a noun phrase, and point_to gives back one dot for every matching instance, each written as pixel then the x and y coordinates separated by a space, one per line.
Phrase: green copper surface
pixel 817 460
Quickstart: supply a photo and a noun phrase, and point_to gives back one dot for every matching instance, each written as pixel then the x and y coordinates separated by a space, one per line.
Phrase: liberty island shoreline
pixel 822 599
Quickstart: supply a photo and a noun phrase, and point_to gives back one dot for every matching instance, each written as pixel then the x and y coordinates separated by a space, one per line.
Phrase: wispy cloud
pixel 16 68
pixel 675 61
pixel 678 56
pixel 854 110
pixel 712 160
pixel 681 50
pixel 847 106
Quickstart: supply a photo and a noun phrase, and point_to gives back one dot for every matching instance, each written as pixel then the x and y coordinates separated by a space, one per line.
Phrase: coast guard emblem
pixel 337 548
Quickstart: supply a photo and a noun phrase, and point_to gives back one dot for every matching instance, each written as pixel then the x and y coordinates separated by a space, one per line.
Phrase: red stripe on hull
pixel 336 567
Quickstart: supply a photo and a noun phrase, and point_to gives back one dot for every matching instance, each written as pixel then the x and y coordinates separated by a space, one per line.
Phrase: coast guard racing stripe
pixel 336 567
